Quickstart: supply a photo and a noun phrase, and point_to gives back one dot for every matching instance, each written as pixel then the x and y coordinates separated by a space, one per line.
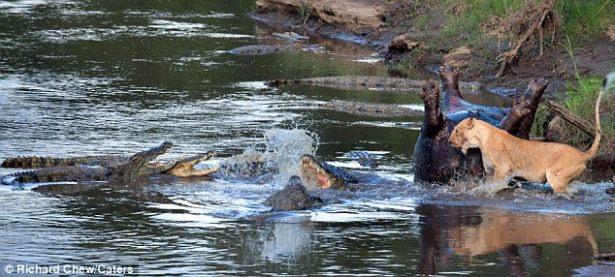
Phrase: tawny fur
pixel 506 156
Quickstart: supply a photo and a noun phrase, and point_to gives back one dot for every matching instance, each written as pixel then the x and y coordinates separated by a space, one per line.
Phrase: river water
pixel 117 77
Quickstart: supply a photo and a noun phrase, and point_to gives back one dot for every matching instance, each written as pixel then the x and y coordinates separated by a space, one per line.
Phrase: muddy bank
pixel 413 35
pixel 357 21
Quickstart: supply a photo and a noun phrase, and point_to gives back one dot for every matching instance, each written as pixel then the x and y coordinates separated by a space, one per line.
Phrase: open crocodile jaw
pixel 145 157
pixel 185 167
pixel 313 174
pixel 137 164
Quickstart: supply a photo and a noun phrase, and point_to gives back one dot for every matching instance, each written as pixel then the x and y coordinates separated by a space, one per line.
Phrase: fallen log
pixel 603 161
pixel 581 123
pixel 535 21
pixel 605 256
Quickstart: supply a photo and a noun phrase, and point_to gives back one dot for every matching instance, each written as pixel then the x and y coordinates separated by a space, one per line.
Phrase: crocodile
pixel 363 158
pixel 122 169
pixel 370 109
pixel 322 175
pixel 261 49
pixel 290 36
pixel 392 84
pixel 36 162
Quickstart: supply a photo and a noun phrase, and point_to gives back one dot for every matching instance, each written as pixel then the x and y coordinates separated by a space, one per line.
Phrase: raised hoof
pixel 449 77
pixel 520 107
pixel 537 87
pixel 430 93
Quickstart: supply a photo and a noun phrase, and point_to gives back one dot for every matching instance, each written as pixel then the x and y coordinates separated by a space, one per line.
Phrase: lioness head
pixel 463 135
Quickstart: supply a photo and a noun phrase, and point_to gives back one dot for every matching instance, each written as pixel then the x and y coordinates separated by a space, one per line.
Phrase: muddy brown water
pixel 106 77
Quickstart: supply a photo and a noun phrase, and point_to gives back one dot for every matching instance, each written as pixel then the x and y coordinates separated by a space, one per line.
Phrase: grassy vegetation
pixel 585 19
pixel 466 20
pixel 581 19
pixel 449 24
pixel 581 96
pixel 580 99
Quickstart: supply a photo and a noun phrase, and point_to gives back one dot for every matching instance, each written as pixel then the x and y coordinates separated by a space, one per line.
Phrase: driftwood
pixel 603 161
pixel 585 126
pixel 534 29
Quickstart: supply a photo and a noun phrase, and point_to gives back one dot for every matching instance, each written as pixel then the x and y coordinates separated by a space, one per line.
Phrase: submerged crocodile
pixel 370 109
pixel 291 36
pixel 261 49
pixel 122 169
pixel 365 83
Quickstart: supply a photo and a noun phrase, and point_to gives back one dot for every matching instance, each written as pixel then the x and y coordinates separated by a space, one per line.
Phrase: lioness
pixel 506 156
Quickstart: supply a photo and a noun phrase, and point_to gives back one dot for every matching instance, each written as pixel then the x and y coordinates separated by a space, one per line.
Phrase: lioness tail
pixel 594 148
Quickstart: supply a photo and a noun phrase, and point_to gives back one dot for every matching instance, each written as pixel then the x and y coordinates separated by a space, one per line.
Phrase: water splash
pixel 251 164
pixel 277 162
pixel 285 148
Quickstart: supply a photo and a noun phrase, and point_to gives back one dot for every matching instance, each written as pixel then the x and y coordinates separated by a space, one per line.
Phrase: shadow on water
pixel 109 77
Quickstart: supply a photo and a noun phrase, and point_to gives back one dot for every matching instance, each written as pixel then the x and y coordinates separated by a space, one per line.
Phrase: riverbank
pixel 501 44
pixel 465 34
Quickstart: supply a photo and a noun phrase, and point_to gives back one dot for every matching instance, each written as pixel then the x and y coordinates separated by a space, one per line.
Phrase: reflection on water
pixel 115 77
pixel 520 241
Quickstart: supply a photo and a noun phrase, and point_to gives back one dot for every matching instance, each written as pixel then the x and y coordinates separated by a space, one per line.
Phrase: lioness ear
pixel 471 123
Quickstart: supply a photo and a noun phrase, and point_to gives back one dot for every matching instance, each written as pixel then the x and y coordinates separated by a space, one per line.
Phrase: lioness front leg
pixel 499 175
pixel 497 181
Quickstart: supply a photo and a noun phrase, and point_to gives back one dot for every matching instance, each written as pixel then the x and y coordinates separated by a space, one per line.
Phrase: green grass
pixel 421 21
pixel 467 25
pixel 581 19
pixel 302 10
pixel 455 23
pixel 402 66
pixel 586 19
pixel 581 100
pixel 582 95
